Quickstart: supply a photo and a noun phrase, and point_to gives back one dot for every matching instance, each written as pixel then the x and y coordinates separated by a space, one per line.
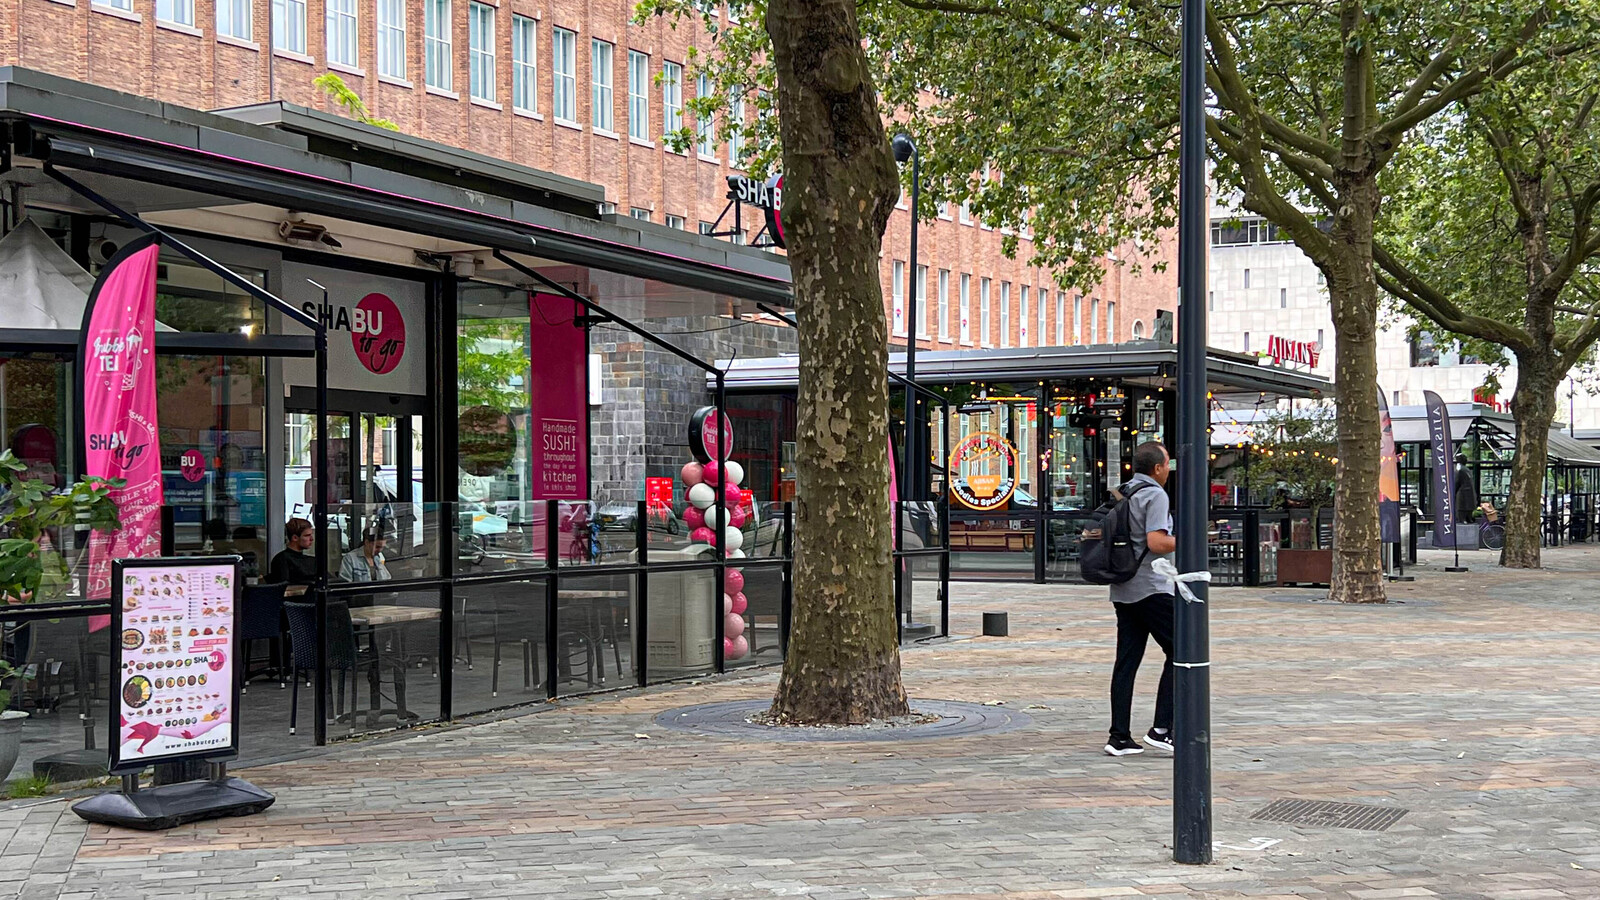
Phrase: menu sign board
pixel 174 644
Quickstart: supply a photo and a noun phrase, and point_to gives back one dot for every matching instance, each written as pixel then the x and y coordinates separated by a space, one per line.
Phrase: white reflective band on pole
pixel 1180 580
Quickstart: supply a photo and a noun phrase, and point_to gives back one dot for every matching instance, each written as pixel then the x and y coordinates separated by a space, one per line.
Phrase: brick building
pixel 569 87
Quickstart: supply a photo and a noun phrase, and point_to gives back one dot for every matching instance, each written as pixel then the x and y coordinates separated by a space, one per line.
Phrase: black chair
pixel 261 619
pixel 529 644
pixel 345 656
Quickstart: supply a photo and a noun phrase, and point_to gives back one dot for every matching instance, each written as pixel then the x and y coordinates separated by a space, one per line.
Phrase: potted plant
pixel 1296 462
pixel 33 514
pixel 10 722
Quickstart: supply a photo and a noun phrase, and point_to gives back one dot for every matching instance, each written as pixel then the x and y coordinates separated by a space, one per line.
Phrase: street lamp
pixel 910 487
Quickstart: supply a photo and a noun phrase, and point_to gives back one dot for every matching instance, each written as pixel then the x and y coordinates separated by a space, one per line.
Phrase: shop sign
pixel 192 463
pixel 173 650
pixel 119 409
pixel 658 494
pixel 1488 398
pixel 704 442
pixel 984 464
pixel 368 318
pixel 1282 350
pixel 558 398
pixel 764 195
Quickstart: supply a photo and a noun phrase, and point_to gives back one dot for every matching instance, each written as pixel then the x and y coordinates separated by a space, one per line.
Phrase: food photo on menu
pixel 177 643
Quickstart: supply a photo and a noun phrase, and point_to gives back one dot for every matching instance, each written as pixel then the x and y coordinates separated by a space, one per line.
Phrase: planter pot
pixel 10 740
pixel 1305 566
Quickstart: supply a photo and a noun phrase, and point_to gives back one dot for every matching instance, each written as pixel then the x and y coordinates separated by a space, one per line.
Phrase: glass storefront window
pixel 191 298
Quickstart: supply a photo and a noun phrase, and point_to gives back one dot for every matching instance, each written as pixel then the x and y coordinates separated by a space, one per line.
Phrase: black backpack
pixel 1106 551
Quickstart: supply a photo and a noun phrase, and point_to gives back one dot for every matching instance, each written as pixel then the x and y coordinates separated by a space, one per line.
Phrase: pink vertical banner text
pixel 558 399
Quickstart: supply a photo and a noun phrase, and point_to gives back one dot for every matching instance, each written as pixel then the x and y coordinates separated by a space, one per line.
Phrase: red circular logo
pixel 192 464
pixel 216 660
pixel 378 333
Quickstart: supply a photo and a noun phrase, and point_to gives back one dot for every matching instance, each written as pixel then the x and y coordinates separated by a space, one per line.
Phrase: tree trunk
pixel 1353 295
pixel 840 184
pixel 1533 407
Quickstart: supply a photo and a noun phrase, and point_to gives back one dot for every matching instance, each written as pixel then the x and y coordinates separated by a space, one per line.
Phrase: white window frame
pixel 1040 334
pixel 525 64
pixel 638 95
pixel 1111 321
pixel 966 309
pixel 564 74
pixel 178 12
pixel 922 301
pixel 392 39
pixel 671 97
pixel 1061 318
pixel 966 212
pixel 983 313
pixel 897 290
pixel 735 132
pixel 343 37
pixel 1094 320
pixel 1005 314
pixel 235 19
pixel 481 51
pixel 1022 315
pixel 288 24
pixel 1077 319
pixel 438 67
pixel 602 96
pixel 944 305
pixel 677 222
pixel 705 126
pixel 639 213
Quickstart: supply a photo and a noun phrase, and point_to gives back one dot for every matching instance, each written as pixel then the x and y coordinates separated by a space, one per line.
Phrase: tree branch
pixel 997 10
pixel 1433 303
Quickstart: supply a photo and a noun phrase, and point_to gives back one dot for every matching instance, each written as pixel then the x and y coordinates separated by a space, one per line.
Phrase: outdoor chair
pixel 345 656
pixel 261 619
pixel 466 616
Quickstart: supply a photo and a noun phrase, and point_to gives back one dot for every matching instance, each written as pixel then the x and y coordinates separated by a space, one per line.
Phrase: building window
pixel 1322 278
pixel 707 227
pixel 736 132
pixel 436 44
pixel 564 66
pixel 922 301
pixel 897 289
pixel 944 304
pixel 983 311
pixel 1319 339
pixel 966 309
pixel 1247 278
pixel 524 64
pixel 966 213
pixel 480 51
pixel 1022 316
pixel 600 83
pixel 180 12
pixel 642 215
pixel 675 221
pixel 638 95
pixel 1077 319
pixel 1211 301
pixel 1111 322
pixel 671 97
pixel 1061 318
pixel 124 5
pixel 705 126
pixel 1138 329
pixel 1283 298
pixel 392 38
pixel 1005 314
pixel 1039 333
pixel 1245 231
pixel 341 23
pixel 1094 321
pixel 233 19
pixel 288 24
pixel 1247 342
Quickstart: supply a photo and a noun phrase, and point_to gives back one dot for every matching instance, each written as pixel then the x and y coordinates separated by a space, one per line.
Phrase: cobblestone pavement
pixel 1471 705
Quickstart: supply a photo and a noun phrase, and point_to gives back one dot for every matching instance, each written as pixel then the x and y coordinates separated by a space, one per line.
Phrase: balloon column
pixel 713 480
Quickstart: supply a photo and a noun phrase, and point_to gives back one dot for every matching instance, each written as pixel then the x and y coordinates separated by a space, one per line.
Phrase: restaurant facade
pixel 398 340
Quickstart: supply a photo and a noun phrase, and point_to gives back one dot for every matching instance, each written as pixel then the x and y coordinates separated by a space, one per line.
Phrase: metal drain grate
pixel 1328 814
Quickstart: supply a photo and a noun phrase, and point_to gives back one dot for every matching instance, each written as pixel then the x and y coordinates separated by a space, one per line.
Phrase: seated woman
pixel 365 563
pixel 294 564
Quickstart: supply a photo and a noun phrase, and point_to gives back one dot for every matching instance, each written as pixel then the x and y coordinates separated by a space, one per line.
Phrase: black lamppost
pixel 1191 683
pixel 910 485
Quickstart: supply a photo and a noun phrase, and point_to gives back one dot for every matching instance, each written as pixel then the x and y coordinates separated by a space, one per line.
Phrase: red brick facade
pixel 194 66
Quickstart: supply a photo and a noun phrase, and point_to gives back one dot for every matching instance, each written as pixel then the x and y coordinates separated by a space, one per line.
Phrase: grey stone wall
pixel 648 394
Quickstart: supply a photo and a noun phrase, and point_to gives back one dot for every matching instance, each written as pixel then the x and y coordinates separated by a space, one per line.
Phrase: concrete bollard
pixel 996 624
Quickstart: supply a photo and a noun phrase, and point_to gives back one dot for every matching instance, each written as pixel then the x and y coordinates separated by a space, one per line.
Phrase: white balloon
pixel 702 496
pixel 733 472
pixel 732 539
pixel 736 554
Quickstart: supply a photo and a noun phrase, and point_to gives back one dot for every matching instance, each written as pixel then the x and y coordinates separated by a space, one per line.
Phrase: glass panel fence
pixel 383 658
pixel 594 633
pixel 752 615
pixel 501 645
pixel 992 545
pixel 1062 533
pixel 683 607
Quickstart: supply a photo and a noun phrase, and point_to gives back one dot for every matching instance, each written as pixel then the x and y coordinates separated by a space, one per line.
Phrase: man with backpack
pixel 1120 550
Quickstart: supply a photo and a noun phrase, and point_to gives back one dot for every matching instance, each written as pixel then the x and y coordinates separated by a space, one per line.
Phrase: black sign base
pixel 1455 568
pixel 171 805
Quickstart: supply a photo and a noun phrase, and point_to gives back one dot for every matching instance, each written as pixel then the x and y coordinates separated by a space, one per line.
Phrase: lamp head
pixel 904 147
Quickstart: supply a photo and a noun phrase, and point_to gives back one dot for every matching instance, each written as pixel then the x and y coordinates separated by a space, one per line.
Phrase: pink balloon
pixel 701 536
pixel 732 496
pixel 727 648
pixel 709 471
pixel 733 624
pixel 694 518
pixel 739 604
pixel 691 474
pixel 727 604
pixel 737 517
pixel 741 648
pixel 733 582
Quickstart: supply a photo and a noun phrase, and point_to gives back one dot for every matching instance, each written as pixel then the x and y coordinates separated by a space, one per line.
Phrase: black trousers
pixel 1136 623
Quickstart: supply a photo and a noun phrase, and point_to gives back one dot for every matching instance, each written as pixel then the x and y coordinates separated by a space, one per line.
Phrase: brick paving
pixel 1471 705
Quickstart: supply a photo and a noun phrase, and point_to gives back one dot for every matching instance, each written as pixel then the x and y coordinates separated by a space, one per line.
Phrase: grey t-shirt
pixel 1149 511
